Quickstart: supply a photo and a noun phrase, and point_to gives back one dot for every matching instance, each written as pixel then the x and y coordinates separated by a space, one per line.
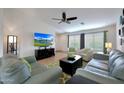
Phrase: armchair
pixel 86 53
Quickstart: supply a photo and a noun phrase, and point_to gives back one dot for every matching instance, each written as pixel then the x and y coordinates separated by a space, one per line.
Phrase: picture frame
pixel 121 20
pixel 119 32
pixel 122 32
pixel 121 41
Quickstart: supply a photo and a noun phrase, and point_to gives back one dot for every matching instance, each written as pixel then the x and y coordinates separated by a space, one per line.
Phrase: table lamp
pixel 108 46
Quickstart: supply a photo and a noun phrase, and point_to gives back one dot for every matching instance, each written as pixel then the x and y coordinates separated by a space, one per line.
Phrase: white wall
pixel 119 46
pixel 61 42
pixel 24 24
pixel 1 32
pixel 111 36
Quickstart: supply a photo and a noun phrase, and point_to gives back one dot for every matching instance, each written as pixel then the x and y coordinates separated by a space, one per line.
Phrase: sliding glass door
pixel 95 41
pixel 74 41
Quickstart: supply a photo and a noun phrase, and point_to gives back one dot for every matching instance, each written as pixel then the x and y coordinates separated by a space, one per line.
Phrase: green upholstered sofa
pixel 39 74
pixel 104 69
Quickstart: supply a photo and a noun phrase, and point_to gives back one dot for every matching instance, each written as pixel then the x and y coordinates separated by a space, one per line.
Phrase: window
pixel 95 41
pixel 74 41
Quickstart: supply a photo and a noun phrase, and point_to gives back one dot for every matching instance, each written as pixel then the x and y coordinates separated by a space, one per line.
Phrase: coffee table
pixel 70 66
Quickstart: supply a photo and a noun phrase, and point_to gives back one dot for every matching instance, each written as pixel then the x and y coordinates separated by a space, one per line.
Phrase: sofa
pixel 14 70
pixel 86 53
pixel 103 69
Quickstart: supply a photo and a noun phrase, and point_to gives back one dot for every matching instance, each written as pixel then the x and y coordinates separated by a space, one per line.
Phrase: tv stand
pixel 44 53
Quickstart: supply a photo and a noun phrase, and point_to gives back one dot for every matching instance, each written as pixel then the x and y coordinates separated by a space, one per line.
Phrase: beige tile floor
pixel 53 59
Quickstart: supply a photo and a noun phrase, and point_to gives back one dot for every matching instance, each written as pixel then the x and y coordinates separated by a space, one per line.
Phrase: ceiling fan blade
pixel 71 18
pixel 56 19
pixel 64 16
pixel 60 22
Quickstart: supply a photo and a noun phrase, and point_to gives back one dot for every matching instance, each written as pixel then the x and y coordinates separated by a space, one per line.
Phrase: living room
pixel 92 28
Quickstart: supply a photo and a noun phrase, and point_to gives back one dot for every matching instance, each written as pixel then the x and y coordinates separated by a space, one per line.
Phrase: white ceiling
pixel 92 17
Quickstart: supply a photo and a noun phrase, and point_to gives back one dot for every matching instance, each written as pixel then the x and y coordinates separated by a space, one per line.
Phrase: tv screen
pixel 43 40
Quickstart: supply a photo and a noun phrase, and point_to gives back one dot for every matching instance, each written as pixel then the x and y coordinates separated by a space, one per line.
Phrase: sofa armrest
pixel 102 79
pixel 101 56
pixel 51 76
pixel 30 59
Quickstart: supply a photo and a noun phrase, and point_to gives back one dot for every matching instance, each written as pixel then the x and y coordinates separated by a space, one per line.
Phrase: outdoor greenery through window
pixel 74 41
pixel 95 41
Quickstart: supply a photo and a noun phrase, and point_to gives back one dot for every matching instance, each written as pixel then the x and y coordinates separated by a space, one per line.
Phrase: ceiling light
pixel 82 23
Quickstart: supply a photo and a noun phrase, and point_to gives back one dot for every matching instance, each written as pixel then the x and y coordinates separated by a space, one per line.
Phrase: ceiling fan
pixel 65 19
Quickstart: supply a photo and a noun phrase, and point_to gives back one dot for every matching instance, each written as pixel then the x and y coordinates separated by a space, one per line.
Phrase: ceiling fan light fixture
pixel 65 19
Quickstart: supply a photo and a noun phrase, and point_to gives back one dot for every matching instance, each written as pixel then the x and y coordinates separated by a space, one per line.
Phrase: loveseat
pixel 14 70
pixel 103 69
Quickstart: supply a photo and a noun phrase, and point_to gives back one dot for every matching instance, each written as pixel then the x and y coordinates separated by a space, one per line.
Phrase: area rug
pixel 64 77
pixel 53 64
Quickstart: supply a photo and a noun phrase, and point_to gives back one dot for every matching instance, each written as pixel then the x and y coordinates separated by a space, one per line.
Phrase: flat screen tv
pixel 43 40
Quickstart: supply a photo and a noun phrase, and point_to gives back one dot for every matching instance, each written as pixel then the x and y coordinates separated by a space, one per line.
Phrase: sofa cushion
pixel 37 68
pixel 100 64
pixel 113 56
pixel 101 56
pixel 96 70
pixel 13 71
pixel 117 70
pixel 104 79
pixel 51 76
pixel 113 51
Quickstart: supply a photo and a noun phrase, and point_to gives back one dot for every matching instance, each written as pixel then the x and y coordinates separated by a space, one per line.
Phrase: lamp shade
pixel 108 45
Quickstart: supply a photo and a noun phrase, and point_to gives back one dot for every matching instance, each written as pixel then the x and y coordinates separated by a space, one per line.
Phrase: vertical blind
pixel 74 41
pixel 95 41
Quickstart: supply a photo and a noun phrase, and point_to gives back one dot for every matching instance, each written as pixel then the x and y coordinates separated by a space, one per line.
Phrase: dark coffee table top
pixel 77 57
